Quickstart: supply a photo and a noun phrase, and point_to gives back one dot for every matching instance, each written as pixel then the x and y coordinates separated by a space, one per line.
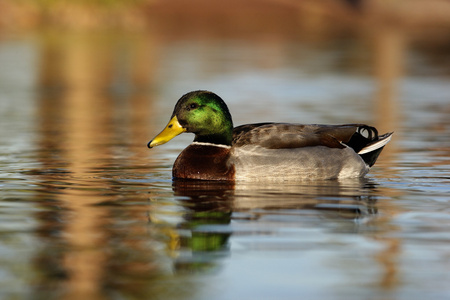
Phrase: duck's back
pixel 286 152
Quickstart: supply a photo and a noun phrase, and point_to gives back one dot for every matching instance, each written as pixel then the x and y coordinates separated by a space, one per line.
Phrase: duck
pixel 265 151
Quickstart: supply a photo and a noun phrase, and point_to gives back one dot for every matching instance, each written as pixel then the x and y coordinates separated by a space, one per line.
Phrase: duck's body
pixel 265 151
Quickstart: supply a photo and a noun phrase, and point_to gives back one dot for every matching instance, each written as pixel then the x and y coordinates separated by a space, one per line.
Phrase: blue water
pixel 87 211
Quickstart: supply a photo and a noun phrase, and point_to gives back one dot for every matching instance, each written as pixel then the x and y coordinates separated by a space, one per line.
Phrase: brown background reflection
pixel 86 115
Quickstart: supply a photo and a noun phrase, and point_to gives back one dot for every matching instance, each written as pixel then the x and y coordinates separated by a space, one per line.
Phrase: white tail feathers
pixel 377 145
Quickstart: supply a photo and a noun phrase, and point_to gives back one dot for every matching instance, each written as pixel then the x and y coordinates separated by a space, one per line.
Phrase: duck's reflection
pixel 209 208
pixel 340 196
pixel 354 197
pixel 201 235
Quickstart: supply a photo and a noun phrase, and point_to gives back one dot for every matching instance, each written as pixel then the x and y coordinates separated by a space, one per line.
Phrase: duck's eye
pixel 192 106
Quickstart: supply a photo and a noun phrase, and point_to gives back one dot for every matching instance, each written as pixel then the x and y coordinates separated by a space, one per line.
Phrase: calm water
pixel 88 212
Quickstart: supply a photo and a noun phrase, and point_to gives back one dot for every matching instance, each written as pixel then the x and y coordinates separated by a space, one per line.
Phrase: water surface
pixel 87 211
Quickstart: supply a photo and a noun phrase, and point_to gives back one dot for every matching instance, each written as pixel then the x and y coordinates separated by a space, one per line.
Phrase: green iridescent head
pixel 203 113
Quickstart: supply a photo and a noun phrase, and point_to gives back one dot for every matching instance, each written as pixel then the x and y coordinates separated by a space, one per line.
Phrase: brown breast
pixel 200 161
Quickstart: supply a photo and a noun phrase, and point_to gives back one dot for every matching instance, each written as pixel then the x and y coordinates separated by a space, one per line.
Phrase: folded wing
pixel 363 139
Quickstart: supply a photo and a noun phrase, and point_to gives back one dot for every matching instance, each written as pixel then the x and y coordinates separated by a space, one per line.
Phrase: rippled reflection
pixel 141 242
pixel 211 206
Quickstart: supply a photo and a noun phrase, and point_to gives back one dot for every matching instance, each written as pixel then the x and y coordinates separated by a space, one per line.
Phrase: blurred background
pixel 87 211
pixel 137 54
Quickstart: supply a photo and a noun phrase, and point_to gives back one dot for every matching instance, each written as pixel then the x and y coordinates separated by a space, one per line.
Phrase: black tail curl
pixel 372 132
pixel 365 136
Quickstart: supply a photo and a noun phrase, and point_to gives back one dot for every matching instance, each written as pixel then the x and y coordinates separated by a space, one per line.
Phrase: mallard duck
pixel 265 151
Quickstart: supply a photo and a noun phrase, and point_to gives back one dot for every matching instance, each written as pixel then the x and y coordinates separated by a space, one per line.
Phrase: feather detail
pixel 383 140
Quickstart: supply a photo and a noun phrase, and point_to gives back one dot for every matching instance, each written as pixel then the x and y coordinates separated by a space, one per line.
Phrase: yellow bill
pixel 172 129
